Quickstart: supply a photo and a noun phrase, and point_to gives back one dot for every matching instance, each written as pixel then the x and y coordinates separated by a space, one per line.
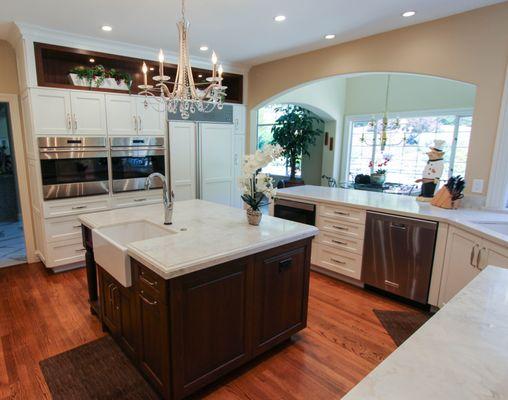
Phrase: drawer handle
pixel 340 228
pixel 138 200
pixel 79 250
pixel 341 213
pixel 339 242
pixel 79 207
pixel 337 261
pixel 76 226
pixel 392 284
pixel 142 277
pixel 285 264
pixel 150 303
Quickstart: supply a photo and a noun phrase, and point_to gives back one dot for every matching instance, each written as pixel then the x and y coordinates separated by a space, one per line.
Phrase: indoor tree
pixel 295 130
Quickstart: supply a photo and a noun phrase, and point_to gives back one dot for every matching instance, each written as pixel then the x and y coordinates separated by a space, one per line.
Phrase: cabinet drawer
pixel 342 213
pixel 56 208
pixel 62 228
pixel 148 282
pixel 348 229
pixel 65 252
pixel 342 262
pixel 341 242
pixel 139 198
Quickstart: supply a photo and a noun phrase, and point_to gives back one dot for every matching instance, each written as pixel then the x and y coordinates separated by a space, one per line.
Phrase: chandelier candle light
pixel 185 97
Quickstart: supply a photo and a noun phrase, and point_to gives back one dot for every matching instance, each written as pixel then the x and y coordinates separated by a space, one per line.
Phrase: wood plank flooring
pixel 42 314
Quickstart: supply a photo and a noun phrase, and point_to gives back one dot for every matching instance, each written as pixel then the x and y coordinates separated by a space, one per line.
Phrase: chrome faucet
pixel 167 195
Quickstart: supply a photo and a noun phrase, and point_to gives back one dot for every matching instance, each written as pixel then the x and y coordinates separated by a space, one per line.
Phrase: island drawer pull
pixel 339 242
pixel 285 264
pixel 148 282
pixel 337 261
pixel 78 207
pixel 150 303
pixel 341 213
pixel 340 228
pixel 76 226
pixel 138 200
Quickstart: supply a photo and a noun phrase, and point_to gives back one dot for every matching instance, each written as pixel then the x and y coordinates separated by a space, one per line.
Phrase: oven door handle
pixel 68 155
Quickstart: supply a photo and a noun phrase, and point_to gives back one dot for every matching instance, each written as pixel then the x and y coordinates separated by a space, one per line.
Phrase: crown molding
pixel 36 33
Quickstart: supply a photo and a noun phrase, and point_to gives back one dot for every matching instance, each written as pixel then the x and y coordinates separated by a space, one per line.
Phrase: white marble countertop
pixel 466 218
pixel 207 234
pixel 461 353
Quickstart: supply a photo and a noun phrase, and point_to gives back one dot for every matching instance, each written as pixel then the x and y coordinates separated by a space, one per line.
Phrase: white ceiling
pixel 241 31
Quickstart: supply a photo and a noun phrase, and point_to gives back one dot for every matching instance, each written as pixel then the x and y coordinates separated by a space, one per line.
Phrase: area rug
pixel 97 370
pixel 401 324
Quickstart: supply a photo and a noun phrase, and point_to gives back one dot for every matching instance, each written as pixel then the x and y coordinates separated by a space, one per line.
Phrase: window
pixel 408 157
pixel 266 119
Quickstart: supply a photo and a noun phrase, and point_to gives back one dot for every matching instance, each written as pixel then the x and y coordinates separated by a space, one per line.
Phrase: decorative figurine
pixel 433 171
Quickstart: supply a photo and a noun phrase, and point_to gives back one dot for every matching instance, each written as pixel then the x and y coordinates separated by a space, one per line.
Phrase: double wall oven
pixel 73 166
pixel 84 166
pixel 133 159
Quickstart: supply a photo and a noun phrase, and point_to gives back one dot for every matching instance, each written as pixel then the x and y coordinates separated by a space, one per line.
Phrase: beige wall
pixel 8 72
pixel 470 47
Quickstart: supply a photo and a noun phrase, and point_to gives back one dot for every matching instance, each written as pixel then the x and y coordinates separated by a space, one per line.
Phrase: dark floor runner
pixel 401 324
pixel 97 370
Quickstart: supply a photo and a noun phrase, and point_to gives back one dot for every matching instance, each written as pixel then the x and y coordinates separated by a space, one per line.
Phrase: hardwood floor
pixel 42 314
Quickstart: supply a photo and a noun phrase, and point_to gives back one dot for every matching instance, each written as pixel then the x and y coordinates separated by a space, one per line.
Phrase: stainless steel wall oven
pixel 73 166
pixel 133 159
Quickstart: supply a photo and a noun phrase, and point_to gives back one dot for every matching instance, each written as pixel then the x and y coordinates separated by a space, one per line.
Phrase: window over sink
pixel 407 143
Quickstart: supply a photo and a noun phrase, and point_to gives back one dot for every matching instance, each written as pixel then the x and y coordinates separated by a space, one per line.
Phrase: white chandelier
pixel 185 96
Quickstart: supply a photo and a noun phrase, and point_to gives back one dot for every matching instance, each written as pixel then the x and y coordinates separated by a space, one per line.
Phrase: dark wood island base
pixel 186 332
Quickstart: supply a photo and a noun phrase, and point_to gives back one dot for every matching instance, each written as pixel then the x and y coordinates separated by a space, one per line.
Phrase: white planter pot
pixel 77 81
pixel 108 83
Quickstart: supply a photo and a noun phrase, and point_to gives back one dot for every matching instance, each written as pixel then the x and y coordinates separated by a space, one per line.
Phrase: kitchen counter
pixel 460 353
pixel 469 219
pixel 206 234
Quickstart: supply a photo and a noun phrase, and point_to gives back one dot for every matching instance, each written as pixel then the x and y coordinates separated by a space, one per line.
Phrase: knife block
pixel 443 199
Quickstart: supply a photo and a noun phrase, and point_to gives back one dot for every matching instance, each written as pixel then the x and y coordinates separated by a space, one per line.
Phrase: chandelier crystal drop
pixel 183 95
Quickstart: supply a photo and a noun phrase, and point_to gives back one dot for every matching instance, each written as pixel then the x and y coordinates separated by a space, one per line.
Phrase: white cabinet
pixel 88 113
pixel 121 115
pixel 65 112
pixel 216 146
pixel 150 114
pixel 239 119
pixel 51 111
pixel 466 255
pixel 238 155
pixel 182 147
pixel 134 115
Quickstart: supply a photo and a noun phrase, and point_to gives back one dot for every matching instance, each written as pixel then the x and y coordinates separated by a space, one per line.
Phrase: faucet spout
pixel 167 195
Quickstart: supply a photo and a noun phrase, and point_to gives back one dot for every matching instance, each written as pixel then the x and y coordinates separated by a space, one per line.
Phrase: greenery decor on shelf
pixel 257 187
pixel 295 131
pixel 97 75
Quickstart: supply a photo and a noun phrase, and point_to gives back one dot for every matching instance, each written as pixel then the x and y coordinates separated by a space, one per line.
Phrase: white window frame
pixel 349 119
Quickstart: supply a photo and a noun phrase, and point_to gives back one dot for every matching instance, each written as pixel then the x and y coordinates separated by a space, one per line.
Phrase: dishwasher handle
pixel 398 225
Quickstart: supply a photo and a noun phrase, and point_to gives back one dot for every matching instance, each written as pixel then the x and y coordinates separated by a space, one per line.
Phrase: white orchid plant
pixel 257 186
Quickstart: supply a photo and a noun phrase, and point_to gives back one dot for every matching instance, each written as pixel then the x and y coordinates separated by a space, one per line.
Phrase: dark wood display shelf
pixel 54 63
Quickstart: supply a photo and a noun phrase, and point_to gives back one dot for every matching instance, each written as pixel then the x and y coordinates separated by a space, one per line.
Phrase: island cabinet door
pixel 281 282
pixel 210 318
pixel 110 302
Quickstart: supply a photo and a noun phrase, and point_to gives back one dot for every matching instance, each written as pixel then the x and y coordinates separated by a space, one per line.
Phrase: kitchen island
pixel 201 297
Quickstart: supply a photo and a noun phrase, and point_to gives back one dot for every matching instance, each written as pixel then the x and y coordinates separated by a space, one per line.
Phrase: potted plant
pixel 98 76
pixel 378 177
pixel 295 131
pixel 258 187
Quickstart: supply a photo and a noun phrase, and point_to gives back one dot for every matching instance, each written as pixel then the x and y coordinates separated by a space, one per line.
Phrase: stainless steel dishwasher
pixel 398 255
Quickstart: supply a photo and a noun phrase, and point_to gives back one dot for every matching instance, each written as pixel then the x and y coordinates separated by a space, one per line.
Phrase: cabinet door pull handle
pixel 471 256
pixel 76 226
pixel 285 264
pixel 150 303
pixel 78 207
pixel 340 228
pixel 135 123
pixel 341 213
pixel 339 242
pixel 75 122
pixel 140 124
pixel 337 261
pixel 479 258
pixel 69 123
pixel 138 200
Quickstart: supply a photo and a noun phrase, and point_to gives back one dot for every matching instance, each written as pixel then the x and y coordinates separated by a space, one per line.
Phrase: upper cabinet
pixel 62 112
pixel 134 115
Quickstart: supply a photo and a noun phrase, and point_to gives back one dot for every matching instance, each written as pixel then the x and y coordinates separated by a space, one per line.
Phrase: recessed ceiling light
pixel 408 14
pixel 92 60
pixel 106 28
pixel 279 18
pixel 203 48
pixel 330 36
